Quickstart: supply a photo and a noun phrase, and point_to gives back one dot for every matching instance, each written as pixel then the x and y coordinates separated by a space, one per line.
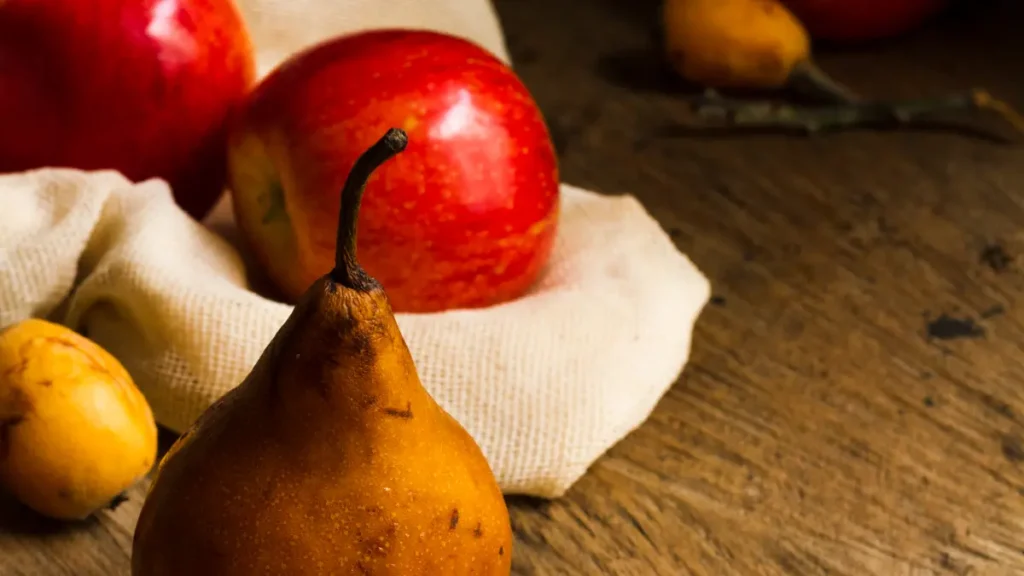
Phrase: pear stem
pixel 347 270
pixel 809 80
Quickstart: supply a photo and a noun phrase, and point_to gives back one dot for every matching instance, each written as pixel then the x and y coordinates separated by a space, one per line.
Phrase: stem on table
pixel 714 110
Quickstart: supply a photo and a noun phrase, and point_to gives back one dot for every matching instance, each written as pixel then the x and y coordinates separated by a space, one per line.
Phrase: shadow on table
pixel 16 518
pixel 528 502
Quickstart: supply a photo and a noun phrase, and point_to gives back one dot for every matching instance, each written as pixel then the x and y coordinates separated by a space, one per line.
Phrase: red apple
pixel 140 86
pixel 465 217
pixel 856 20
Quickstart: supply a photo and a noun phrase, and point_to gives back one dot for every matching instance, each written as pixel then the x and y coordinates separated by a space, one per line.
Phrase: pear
pixel 75 431
pixel 704 45
pixel 330 457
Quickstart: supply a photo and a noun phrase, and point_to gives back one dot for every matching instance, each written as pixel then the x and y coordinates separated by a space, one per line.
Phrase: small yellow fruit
pixel 74 430
pixel 734 43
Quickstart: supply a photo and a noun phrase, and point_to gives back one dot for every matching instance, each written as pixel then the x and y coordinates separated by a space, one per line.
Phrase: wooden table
pixel 855 399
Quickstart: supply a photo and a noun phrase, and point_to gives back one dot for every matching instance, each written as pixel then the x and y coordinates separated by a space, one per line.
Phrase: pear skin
pixel 330 458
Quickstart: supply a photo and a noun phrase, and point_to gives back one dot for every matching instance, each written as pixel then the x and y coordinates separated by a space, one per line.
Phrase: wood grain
pixel 854 403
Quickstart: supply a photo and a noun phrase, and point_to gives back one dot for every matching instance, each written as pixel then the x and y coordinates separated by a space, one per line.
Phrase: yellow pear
pixel 755 44
pixel 75 432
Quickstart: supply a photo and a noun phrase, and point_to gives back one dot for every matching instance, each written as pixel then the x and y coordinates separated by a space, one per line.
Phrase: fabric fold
pixel 545 383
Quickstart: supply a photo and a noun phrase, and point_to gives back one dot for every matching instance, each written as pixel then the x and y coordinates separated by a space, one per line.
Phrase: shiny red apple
pixel 140 86
pixel 861 20
pixel 465 217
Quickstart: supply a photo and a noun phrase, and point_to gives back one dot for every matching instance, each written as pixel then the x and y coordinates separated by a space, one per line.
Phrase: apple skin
pixel 140 86
pixel 862 20
pixel 465 217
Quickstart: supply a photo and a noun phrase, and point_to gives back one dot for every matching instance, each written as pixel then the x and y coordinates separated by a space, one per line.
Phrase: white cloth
pixel 282 27
pixel 545 383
